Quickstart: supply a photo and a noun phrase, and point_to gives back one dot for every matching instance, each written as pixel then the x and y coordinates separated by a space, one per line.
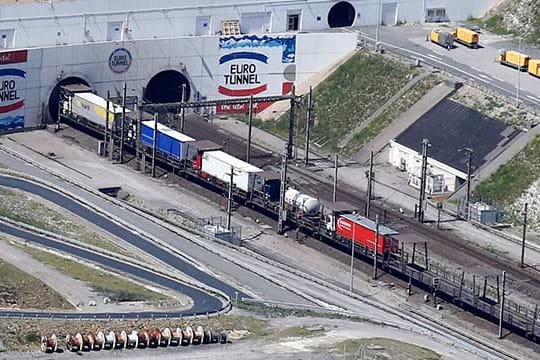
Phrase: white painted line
pixel 533 98
pixel 496 78
pixel 449 66
pixel 434 57
pixel 484 76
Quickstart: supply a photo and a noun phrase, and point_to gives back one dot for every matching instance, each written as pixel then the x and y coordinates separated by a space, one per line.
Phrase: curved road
pixel 121 232
pixel 203 302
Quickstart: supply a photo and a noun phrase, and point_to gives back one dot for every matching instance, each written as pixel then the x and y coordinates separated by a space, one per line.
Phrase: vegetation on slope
pixel 19 206
pixel 347 98
pixel 21 290
pixel 519 17
pixel 389 115
pixel 113 287
pixel 514 177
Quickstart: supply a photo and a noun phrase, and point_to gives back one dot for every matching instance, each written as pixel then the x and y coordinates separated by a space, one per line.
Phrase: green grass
pixel 22 290
pixel 353 92
pixel 495 24
pixel 114 287
pixel 19 207
pixel 531 15
pixel 514 177
pixel 392 348
pixel 392 113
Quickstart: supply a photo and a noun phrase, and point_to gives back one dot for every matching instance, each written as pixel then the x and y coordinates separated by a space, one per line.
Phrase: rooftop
pixel 232 161
pixel 101 102
pixel 370 224
pixel 168 131
pixel 450 128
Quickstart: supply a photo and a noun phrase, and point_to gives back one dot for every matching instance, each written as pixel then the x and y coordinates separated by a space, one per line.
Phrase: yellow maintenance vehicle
pixel 514 59
pixel 467 37
pixel 442 38
pixel 534 67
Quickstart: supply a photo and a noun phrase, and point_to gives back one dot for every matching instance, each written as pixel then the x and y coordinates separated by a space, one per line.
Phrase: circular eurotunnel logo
pixel 120 60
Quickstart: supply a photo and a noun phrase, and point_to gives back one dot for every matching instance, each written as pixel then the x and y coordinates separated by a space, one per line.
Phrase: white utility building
pixel 453 131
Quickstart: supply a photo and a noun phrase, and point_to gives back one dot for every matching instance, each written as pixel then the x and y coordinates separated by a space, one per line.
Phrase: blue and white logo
pixel 120 60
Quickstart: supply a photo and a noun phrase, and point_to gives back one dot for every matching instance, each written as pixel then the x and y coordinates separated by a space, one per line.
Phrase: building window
pixel 293 22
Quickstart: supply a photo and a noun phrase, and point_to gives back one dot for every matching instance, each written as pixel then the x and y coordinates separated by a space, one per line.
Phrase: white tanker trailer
pixel 305 203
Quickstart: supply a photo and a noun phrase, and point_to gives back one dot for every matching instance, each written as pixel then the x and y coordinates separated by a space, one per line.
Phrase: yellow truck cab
pixel 534 67
pixel 467 37
pixel 514 59
pixel 442 38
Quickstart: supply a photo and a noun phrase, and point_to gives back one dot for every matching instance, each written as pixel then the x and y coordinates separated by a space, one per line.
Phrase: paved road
pixel 123 233
pixel 203 302
pixel 238 278
pixel 477 65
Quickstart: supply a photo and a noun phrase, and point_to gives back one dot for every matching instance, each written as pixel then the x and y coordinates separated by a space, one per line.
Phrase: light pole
pixel 518 85
pixel 469 154
pixel 379 19
pixel 524 235
pixel 352 260
pixel 423 178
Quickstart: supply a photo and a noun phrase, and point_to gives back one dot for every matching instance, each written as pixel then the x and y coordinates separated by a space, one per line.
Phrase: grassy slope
pixel 392 113
pixel 514 177
pixel 21 290
pixel 114 287
pixel 347 98
pixel 511 18
pixel 19 207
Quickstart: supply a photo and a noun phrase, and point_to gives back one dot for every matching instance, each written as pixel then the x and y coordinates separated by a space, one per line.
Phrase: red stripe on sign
pixel 15 106
pixel 243 92
pixel 286 88
pixel 13 57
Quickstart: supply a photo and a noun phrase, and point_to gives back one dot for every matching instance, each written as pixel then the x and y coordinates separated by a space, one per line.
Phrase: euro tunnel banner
pixel 12 89
pixel 258 65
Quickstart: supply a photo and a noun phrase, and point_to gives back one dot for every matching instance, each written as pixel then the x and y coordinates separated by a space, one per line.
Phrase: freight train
pixel 206 162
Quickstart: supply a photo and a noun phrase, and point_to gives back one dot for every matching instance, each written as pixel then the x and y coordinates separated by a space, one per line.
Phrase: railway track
pixel 440 242
pixel 448 333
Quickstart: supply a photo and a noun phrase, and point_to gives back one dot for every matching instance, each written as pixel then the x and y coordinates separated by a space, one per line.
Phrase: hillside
pixel 520 17
pixel 347 98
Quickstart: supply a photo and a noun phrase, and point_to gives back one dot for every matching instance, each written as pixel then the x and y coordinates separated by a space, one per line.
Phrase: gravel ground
pixel 286 337
pixel 158 193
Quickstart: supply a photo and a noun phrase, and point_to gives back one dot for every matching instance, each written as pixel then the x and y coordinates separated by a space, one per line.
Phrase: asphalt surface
pixel 123 233
pixel 398 40
pixel 203 302
pixel 240 278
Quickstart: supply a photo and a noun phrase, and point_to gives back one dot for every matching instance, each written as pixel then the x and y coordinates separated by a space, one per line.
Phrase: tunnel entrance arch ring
pixel 166 87
pixel 54 95
pixel 341 14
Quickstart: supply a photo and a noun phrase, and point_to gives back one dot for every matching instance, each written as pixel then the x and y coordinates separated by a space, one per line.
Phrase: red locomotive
pixel 363 230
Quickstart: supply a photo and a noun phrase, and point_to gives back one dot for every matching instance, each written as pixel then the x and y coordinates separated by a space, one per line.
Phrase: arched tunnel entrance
pixel 166 87
pixel 55 95
pixel 341 14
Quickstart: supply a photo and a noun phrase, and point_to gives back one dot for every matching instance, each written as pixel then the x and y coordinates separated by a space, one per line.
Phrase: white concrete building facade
pixel 441 178
pixel 161 45
pixel 50 23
